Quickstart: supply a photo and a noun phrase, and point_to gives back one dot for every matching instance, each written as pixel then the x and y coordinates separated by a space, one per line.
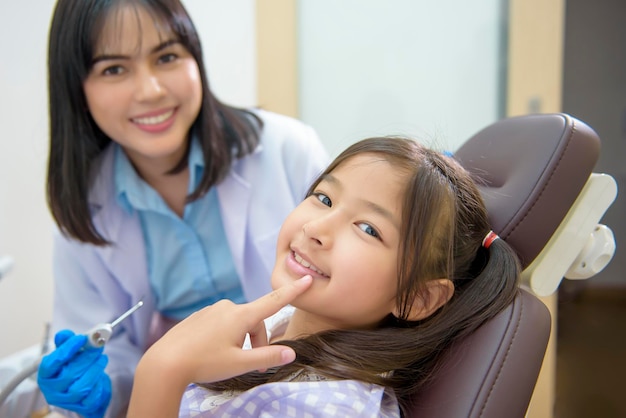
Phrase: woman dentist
pixel 161 192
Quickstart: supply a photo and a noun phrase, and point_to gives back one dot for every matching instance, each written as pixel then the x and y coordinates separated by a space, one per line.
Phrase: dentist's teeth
pixel 153 120
pixel 306 264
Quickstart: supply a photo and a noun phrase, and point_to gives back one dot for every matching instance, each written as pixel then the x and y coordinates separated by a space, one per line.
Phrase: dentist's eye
pixel 164 59
pixel 369 230
pixel 113 70
pixel 323 198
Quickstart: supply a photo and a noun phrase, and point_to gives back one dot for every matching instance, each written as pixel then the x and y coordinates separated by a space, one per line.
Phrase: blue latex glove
pixel 72 377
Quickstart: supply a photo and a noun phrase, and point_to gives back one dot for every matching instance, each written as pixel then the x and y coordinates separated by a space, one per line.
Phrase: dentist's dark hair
pixel 224 132
pixel 444 222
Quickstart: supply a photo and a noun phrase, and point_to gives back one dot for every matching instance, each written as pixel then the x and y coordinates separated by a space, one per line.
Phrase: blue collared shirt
pixel 189 261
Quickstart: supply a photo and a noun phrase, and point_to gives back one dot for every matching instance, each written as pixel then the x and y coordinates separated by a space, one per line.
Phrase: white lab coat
pixel 96 284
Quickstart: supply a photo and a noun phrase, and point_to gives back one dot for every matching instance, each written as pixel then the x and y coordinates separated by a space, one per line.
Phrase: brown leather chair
pixel 531 170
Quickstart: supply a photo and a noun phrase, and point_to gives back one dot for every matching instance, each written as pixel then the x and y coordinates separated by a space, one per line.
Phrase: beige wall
pixel 277 58
pixel 535 73
pixel 536 33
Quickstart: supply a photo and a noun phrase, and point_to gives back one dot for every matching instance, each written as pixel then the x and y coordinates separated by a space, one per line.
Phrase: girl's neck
pixel 302 324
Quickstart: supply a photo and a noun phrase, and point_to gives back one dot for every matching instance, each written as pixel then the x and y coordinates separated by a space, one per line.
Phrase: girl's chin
pixel 280 279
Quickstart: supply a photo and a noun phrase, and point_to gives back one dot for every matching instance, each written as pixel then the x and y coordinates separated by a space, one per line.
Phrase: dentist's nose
pixel 148 86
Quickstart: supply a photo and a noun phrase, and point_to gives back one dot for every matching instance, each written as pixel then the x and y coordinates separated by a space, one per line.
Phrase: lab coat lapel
pixel 234 196
pixel 126 261
pixel 125 258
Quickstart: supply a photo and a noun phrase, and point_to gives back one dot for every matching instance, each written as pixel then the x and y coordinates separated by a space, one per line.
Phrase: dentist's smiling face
pixel 346 235
pixel 144 89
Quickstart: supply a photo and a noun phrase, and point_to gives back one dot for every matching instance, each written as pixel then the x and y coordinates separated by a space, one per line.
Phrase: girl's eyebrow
pixel 159 47
pixel 371 205
pixel 381 211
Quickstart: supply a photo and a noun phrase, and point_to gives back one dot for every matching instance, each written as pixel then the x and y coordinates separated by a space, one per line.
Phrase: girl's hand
pixel 207 347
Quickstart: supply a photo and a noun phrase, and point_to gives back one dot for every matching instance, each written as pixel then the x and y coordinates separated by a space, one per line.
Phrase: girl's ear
pixel 436 294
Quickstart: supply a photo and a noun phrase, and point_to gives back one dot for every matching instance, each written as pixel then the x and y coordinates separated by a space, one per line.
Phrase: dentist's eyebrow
pixel 158 48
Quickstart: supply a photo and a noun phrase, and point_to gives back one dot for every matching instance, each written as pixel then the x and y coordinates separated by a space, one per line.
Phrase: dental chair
pixel 535 175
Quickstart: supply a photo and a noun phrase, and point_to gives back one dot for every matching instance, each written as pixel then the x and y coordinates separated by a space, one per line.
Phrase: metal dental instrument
pixel 100 334
pixel 96 337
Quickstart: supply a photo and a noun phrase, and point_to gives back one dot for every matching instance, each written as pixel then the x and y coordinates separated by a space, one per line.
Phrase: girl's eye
pixel 164 59
pixel 113 70
pixel 369 230
pixel 324 199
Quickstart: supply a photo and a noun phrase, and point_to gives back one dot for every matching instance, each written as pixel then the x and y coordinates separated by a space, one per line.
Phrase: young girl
pixel 396 239
pixel 161 192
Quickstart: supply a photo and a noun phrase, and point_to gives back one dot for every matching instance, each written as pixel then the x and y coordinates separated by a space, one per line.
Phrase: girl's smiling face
pixel 346 235
pixel 144 89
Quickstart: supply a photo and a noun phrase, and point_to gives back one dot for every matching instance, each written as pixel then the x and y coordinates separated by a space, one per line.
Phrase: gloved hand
pixel 73 377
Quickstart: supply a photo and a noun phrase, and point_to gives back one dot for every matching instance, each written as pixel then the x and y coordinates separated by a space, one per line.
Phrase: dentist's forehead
pixel 126 27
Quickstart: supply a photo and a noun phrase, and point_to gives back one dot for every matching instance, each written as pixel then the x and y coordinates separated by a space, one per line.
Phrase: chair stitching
pixel 548 182
pixel 482 410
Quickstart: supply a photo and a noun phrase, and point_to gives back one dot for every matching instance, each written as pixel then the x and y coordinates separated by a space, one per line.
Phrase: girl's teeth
pixel 153 120
pixel 306 264
pixel 302 261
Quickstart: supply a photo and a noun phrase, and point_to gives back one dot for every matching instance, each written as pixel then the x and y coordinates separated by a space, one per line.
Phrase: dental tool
pixel 96 337
pixel 100 334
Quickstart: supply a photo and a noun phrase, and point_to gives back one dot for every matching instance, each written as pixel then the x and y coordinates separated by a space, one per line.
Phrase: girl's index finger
pixel 271 303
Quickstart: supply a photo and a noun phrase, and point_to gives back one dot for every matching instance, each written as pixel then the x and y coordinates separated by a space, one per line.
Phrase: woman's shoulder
pixel 291 138
pixel 275 120
pixel 101 177
pixel 107 214
pixel 282 129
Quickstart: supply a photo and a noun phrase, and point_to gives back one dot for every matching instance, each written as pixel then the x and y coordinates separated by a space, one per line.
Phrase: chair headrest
pixel 530 169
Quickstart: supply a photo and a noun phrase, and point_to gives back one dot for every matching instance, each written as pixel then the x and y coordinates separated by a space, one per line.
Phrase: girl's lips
pixel 301 267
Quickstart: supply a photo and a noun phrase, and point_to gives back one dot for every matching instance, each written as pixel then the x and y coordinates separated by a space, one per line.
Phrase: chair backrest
pixel 530 170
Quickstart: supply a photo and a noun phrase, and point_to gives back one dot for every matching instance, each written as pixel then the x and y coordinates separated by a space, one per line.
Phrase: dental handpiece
pixel 99 335
pixel 96 338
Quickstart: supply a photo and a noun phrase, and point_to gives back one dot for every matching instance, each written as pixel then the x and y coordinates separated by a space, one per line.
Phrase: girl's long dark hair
pixel 445 221
pixel 224 132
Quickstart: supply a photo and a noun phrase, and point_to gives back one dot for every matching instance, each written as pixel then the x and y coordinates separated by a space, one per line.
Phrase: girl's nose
pixel 319 232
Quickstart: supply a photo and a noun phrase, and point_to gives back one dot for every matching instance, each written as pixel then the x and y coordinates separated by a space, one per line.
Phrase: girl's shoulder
pixel 309 397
